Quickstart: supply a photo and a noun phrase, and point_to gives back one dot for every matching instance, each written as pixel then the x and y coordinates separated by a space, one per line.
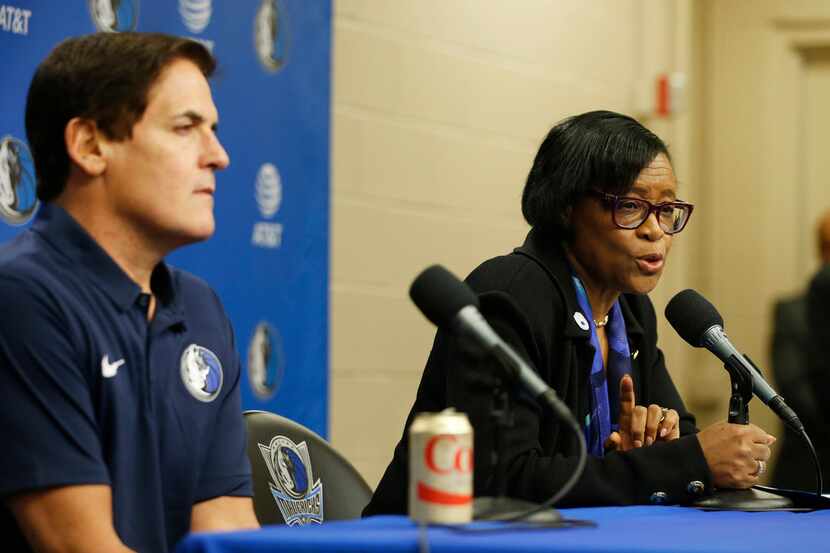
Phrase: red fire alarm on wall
pixel 670 94
pixel 662 106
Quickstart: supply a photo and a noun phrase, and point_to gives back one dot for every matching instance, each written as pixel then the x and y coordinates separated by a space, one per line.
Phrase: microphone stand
pixel 741 383
pixel 501 507
pixel 751 499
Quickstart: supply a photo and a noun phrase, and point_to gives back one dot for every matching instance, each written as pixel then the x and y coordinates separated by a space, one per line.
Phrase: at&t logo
pixel 195 14
pixel 268 190
pixel 268 198
pixel 14 20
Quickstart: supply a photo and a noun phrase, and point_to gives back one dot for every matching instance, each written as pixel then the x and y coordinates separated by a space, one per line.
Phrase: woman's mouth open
pixel 650 264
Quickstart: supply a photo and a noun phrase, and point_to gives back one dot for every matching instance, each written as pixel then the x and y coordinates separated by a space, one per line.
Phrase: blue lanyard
pixel 598 423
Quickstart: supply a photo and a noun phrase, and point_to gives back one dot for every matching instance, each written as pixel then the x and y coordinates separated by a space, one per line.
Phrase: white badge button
pixel 581 321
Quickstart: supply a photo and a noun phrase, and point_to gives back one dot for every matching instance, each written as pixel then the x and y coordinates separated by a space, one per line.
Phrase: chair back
pixel 298 477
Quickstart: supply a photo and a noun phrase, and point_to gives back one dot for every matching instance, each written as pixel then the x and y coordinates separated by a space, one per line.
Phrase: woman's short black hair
pixel 600 149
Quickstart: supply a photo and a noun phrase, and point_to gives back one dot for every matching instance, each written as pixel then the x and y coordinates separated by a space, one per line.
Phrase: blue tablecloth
pixel 618 530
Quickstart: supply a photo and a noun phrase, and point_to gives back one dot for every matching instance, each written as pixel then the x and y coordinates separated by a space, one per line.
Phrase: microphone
pixel 699 323
pixel 450 304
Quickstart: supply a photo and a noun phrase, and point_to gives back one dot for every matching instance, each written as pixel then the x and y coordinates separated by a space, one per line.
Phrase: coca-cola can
pixel 441 468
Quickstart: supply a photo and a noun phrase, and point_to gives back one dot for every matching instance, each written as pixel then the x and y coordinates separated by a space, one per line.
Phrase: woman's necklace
pixel 602 322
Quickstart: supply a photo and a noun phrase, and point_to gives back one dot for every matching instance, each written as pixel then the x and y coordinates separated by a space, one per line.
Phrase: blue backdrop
pixel 269 257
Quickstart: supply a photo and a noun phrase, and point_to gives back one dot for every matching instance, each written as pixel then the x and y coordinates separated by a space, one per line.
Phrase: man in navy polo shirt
pixel 119 377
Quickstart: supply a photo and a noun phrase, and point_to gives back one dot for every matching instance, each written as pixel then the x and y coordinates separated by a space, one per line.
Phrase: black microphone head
pixel 691 315
pixel 440 295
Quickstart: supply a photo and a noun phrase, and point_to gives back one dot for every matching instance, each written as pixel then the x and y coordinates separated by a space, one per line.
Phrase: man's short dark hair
pixel 104 77
pixel 596 150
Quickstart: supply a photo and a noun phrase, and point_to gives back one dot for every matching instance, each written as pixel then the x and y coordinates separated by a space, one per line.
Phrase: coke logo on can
pixel 444 454
pixel 441 468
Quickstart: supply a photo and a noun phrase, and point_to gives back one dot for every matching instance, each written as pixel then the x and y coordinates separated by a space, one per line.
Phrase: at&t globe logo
pixel 268 198
pixel 270 37
pixel 18 193
pixel 114 16
pixel 195 14
pixel 268 190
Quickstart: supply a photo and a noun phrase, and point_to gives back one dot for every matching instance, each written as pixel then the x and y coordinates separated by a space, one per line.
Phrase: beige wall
pixel 439 106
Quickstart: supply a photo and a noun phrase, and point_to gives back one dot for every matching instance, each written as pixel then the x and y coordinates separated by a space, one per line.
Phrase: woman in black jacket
pixel 601 199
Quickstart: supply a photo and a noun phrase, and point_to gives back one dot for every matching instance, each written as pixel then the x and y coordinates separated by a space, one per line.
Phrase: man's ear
pixel 83 145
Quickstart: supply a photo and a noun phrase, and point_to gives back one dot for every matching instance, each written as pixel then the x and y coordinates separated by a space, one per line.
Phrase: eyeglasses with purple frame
pixel 635 211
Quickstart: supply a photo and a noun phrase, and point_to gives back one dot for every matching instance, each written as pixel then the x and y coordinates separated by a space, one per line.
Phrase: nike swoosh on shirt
pixel 108 370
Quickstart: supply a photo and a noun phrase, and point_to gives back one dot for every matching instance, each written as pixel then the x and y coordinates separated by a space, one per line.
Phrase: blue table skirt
pixel 618 530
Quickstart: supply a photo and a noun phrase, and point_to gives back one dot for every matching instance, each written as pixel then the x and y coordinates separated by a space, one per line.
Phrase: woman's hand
pixel 737 454
pixel 640 425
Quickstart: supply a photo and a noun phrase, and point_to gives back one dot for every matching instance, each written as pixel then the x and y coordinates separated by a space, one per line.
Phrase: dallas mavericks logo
pixel 114 16
pixel 299 501
pixel 266 361
pixel 18 194
pixel 269 35
pixel 201 372
pixel 268 190
pixel 195 14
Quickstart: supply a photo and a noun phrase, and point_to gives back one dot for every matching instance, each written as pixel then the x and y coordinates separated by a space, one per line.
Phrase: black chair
pixel 298 477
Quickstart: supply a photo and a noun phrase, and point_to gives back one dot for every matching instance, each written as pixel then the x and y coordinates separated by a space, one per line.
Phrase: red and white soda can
pixel 441 468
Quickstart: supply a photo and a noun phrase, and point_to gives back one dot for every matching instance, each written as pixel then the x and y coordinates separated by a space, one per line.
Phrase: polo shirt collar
pixel 550 254
pixel 69 239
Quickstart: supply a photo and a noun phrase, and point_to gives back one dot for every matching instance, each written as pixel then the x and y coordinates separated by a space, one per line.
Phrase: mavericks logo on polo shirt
pixel 201 372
